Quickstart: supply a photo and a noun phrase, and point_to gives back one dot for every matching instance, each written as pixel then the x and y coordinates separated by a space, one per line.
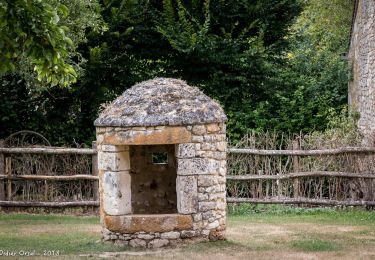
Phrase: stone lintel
pixel 167 135
pixel 148 223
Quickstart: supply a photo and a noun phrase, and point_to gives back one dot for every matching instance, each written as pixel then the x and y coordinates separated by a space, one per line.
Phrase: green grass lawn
pixel 253 232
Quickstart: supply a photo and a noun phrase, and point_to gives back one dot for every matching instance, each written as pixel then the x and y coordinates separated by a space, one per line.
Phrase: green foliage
pixel 57 113
pixel 185 33
pixel 311 80
pixel 32 28
pixel 268 64
pixel 341 131
pixel 83 16
pixel 227 50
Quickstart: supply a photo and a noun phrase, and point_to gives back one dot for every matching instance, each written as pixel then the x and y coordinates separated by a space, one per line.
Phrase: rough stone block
pixel 197 139
pixel 213 189
pixel 199 130
pixel 157 243
pixel 222 171
pixel 119 242
pixel 217 196
pixel 186 188
pixel 170 235
pixel 116 193
pixel 202 196
pixel 106 232
pixel 213 225
pixel 217 235
pixel 187 234
pixel 221 179
pixel 192 166
pixel 99 139
pixel 208 146
pixel 221 146
pixel 212 128
pixel 137 243
pixel 146 236
pixel 100 130
pixel 205 206
pixel 223 128
pixel 207 180
pixel 114 161
pixel 188 150
pixel 205 232
pixel 197 217
pixel 196 166
pixel 219 155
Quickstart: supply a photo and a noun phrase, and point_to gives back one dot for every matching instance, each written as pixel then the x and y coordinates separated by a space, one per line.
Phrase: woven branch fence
pixel 34 174
pixel 261 169
pixel 311 169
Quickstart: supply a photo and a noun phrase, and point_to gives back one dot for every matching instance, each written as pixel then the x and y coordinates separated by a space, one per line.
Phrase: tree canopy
pixel 31 29
pixel 271 64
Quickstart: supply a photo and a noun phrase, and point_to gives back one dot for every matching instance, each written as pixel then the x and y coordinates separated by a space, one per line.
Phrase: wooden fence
pixel 48 167
pixel 335 186
pixel 291 186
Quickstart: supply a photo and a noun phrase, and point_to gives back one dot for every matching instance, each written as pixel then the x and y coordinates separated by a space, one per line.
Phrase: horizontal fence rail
pixel 336 151
pixel 300 174
pixel 55 204
pixel 50 177
pixel 54 150
pixel 325 202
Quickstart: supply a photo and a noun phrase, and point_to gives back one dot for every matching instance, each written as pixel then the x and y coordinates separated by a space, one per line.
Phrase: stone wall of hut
pixel 200 152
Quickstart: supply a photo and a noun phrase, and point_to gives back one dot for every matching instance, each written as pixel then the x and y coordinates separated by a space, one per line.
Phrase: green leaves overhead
pixel 32 28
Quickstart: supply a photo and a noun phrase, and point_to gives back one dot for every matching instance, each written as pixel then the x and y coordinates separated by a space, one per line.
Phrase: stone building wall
pixel 362 58
pixel 200 185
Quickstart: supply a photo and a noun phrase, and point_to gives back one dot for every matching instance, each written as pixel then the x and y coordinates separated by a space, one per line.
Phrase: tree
pixel 31 29
pixel 223 48
pixel 313 74
pixel 268 64
pixel 56 113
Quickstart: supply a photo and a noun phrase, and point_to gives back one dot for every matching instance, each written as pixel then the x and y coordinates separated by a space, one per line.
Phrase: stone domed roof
pixel 161 101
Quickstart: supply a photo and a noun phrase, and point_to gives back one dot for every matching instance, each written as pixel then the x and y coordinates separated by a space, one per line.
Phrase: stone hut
pixel 162 165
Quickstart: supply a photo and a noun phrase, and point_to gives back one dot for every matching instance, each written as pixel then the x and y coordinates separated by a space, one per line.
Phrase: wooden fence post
pixel 95 172
pixel 8 171
pixel 296 168
pixel 2 172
